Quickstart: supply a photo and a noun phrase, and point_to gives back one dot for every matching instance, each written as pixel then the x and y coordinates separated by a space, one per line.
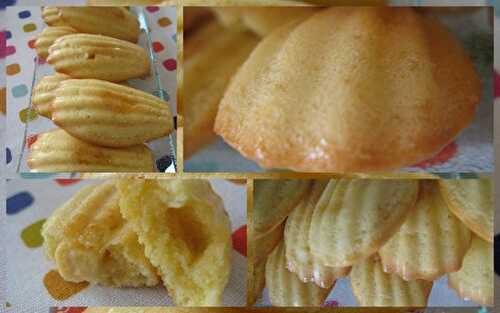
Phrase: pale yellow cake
pixel 117 22
pixel 338 91
pixel 186 234
pixel 212 54
pixel 285 288
pixel 300 260
pixel 475 279
pixel 471 200
pixel 99 57
pixel 57 151
pixel 108 114
pixel 88 240
pixel 353 219
pixel 373 287
pixel 47 37
pixel 274 200
pixel 431 242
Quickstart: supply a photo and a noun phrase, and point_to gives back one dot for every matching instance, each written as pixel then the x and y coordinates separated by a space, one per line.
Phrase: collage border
pixel 250 177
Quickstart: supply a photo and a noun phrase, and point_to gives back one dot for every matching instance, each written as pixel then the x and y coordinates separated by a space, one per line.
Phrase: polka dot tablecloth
pixel 32 284
pixel 23 25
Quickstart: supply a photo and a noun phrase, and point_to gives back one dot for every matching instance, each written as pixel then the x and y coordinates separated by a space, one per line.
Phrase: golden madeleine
pixel 339 90
pixel 431 242
pixel 263 244
pixel 99 57
pixel 212 55
pixel 354 218
pixel 300 260
pixel 57 151
pixel 285 288
pixel 115 22
pixel 108 114
pixel 47 37
pixel 475 279
pixel 274 200
pixel 471 200
pixel 43 93
pixel 258 277
pixel 373 287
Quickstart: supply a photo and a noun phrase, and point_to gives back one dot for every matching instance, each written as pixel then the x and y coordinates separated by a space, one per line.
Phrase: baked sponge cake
pixel 373 287
pixel 43 93
pixel 274 200
pixel 186 235
pixel 353 219
pixel 108 114
pixel 336 92
pixel 88 240
pixel 471 200
pixel 47 37
pixel 430 243
pixel 99 57
pixel 212 56
pixel 285 288
pixel 475 279
pixel 57 151
pixel 116 22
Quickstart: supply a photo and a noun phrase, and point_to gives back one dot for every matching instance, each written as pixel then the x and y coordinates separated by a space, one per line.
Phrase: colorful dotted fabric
pixel 30 203
pixel 18 51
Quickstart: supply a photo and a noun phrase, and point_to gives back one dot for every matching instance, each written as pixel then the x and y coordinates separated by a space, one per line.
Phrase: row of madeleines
pixel 103 123
pixel 326 89
pixel 140 233
pixel 391 238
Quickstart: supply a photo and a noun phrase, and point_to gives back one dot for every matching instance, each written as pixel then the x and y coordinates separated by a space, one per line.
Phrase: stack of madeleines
pixel 393 238
pixel 103 122
pixel 137 233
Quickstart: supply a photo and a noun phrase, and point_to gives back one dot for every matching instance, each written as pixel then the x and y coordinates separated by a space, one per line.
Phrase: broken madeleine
pixel 88 240
pixel 186 234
